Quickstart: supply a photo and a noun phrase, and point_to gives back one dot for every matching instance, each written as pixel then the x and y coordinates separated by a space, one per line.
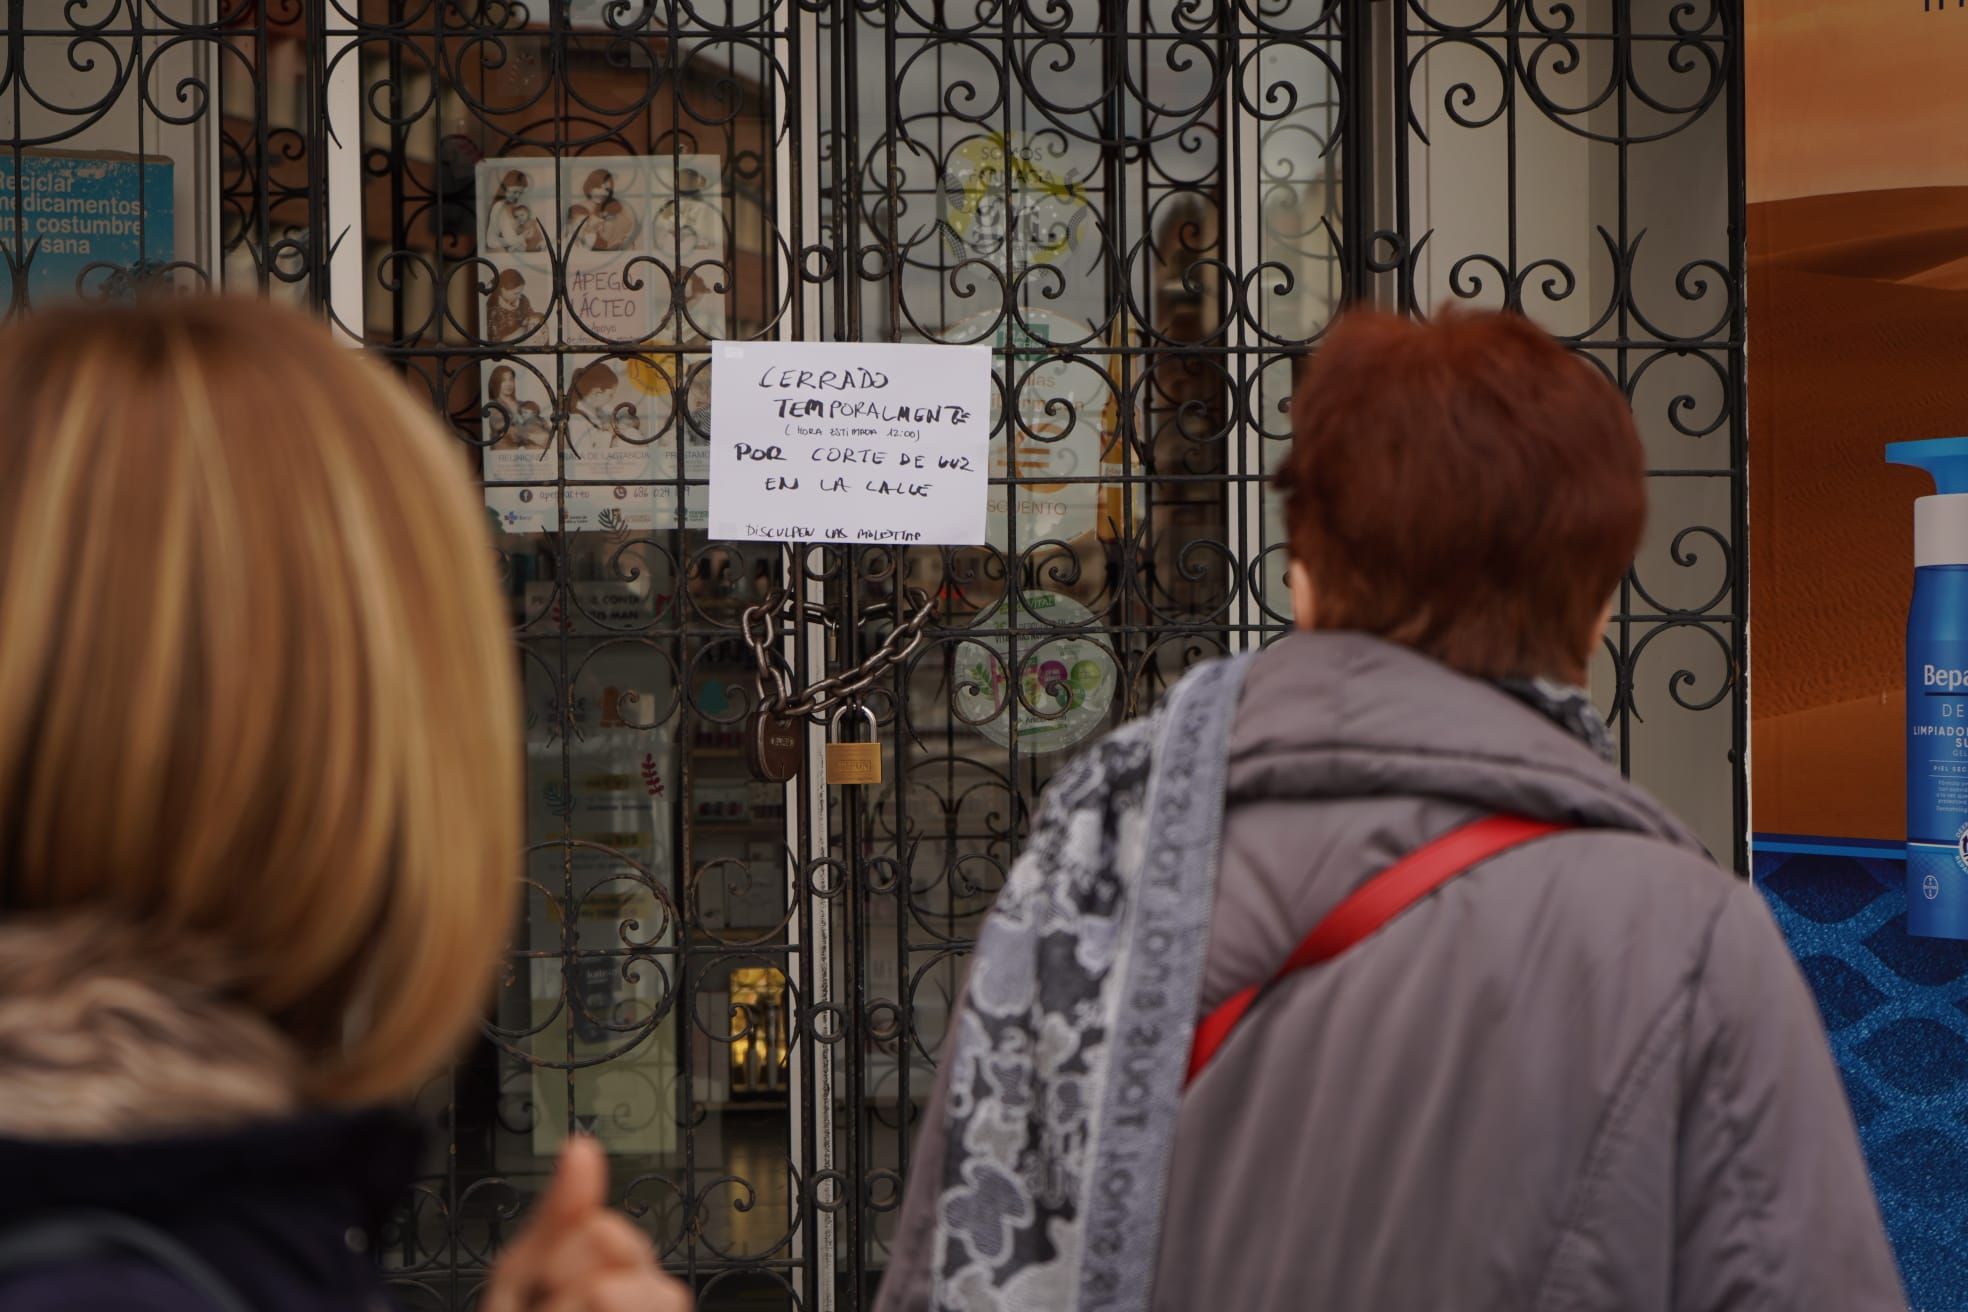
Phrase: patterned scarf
pixel 1567 706
pixel 1081 1006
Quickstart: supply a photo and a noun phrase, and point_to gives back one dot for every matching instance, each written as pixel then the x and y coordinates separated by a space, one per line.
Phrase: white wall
pixel 1565 186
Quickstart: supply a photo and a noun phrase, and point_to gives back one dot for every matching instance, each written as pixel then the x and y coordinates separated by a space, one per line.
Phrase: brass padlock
pixel 853 763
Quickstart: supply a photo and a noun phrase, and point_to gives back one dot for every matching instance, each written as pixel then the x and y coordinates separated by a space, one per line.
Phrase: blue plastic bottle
pixel 1937 693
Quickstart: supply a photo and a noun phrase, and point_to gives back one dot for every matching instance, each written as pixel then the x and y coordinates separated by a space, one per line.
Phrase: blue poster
pixel 82 226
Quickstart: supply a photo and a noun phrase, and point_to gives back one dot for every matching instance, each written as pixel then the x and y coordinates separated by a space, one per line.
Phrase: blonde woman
pixel 259 808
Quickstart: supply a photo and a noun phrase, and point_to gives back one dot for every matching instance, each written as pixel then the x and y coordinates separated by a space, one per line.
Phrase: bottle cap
pixel 1946 458
pixel 1940 522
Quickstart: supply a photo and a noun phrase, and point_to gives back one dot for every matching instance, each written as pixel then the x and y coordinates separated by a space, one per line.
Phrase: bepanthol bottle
pixel 1937 693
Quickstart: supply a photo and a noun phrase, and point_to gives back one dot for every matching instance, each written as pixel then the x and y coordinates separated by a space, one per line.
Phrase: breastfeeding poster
pixel 591 265
pixel 1857 312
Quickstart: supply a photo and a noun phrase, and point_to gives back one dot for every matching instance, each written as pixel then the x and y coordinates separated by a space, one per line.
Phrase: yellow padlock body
pixel 854 763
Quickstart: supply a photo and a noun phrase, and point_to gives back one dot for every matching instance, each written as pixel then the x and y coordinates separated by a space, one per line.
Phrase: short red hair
pixel 1467 487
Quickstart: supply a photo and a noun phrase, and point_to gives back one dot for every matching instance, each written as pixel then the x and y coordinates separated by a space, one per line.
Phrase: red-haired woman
pixel 1357 977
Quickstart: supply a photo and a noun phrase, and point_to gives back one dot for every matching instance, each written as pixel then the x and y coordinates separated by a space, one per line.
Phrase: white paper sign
pixel 850 442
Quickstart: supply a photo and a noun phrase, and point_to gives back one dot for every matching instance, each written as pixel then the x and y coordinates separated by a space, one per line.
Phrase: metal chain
pixel 761 622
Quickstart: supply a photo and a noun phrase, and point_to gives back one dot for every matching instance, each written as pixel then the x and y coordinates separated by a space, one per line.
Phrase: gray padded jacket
pixel 1586 1075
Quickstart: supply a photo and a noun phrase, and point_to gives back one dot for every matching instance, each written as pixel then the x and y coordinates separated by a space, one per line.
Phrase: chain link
pixel 774 682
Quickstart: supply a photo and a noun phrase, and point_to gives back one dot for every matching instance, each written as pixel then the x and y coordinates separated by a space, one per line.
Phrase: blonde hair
pixel 256 693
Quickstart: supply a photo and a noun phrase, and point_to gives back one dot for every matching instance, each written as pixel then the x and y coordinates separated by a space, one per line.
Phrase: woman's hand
pixel 575 1254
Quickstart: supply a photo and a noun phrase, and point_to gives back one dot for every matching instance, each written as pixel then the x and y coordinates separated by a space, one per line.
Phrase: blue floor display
pixel 1896 1009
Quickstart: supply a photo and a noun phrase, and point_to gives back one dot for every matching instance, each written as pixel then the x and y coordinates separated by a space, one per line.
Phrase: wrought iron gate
pixel 543 212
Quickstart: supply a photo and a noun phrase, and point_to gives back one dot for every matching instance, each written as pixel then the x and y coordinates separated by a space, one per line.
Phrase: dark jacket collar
pixel 343 1168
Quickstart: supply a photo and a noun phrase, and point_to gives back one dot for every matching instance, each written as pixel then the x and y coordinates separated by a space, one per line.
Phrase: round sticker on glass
pixel 1016 196
pixel 1065 684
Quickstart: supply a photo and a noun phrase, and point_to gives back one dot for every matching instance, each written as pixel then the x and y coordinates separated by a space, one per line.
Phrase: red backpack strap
pixel 1370 906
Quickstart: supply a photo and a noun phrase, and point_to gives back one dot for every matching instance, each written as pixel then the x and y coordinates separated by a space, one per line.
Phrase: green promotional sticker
pixel 1066 677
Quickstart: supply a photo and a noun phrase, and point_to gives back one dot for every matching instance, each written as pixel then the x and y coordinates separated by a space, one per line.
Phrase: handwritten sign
pixel 850 442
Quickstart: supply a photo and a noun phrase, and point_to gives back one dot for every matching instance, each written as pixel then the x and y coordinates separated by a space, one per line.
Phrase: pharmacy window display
pixel 549 218
pixel 604 283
